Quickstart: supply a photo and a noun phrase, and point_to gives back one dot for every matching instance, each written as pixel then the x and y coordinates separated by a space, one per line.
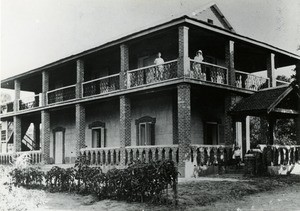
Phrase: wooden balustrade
pixel 151 153
pixel 210 154
pixel 102 156
pixel 275 155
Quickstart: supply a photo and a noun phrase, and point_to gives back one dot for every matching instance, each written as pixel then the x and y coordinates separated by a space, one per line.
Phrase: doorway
pixel 59 147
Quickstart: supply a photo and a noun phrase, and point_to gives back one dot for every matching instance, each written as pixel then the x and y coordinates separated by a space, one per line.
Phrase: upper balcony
pixel 227 64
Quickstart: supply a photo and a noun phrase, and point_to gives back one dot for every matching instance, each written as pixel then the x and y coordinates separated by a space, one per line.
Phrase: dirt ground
pixel 282 199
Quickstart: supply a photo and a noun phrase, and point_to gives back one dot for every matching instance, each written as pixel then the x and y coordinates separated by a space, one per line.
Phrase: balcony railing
pixel 276 155
pixel 35 157
pixel 250 81
pixel 151 153
pixel 29 102
pixel 62 94
pixel 281 83
pixel 152 74
pixel 210 154
pixel 208 72
pixel 101 85
pixel 102 156
pixel 6 108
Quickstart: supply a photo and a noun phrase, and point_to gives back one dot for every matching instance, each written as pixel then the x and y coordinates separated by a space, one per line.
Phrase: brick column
pixel 183 52
pixel 17 87
pixel 125 125
pixel 184 125
pixel 124 54
pixel 17 133
pixel 79 77
pixel 80 127
pixel 271 69
pixel 45 135
pixel 229 61
pixel 45 87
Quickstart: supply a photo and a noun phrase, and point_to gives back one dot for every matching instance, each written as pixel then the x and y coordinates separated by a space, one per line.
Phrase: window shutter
pixel 152 126
pixel 105 137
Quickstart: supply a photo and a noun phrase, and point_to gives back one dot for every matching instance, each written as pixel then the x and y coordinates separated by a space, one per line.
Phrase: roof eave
pixel 180 20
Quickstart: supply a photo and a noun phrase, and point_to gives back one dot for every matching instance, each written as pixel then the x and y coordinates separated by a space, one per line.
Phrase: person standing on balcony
pixel 197 73
pixel 160 68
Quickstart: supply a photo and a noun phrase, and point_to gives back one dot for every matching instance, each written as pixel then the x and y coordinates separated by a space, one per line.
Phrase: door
pixel 212 134
pixel 59 147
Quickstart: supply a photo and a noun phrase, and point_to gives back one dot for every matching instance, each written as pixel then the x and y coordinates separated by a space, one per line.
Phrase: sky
pixel 38 32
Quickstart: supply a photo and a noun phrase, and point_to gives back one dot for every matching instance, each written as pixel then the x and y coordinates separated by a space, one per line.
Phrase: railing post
pixel 183 52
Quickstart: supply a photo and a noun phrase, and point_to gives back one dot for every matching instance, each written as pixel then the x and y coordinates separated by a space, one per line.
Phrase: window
pixel 3 135
pixel 98 134
pixel 210 21
pixel 145 131
pixel 98 137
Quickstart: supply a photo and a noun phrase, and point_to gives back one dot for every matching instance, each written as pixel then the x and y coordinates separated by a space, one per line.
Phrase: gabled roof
pixel 265 101
pixel 212 11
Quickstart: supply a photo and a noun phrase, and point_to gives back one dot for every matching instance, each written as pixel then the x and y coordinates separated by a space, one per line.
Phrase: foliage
pixel 27 177
pixel 285 131
pixel 18 198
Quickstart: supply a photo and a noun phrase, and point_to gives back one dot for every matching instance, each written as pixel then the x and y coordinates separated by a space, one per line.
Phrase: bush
pixel 27 177
pixel 138 182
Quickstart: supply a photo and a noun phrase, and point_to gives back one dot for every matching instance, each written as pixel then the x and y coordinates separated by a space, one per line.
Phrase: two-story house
pixel 118 102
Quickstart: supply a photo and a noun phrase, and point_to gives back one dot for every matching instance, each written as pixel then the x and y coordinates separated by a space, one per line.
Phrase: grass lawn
pixel 203 193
